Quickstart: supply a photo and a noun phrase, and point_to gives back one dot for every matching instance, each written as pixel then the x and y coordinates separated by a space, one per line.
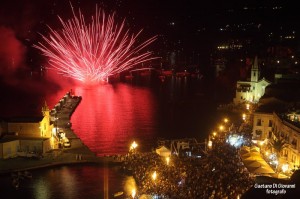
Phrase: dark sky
pixel 185 26
pixel 182 26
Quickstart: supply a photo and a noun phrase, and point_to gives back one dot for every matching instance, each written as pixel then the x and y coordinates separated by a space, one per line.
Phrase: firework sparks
pixel 91 52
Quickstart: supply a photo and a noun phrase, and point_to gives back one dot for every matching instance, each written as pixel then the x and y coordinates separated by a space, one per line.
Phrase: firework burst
pixel 91 52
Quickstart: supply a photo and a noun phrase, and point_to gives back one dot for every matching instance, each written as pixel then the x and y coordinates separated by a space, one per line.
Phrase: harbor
pixel 76 153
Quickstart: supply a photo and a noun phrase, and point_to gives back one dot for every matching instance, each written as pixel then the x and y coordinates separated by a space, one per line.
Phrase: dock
pixel 77 153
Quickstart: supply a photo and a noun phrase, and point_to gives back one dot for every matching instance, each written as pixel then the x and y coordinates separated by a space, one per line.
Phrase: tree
pixel 278 145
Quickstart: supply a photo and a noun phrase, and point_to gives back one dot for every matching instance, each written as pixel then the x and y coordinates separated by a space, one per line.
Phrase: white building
pixel 253 90
pixel 268 126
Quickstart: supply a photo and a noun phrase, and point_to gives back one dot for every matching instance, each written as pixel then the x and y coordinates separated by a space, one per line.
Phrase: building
pixel 35 127
pixel 22 136
pixel 9 148
pixel 253 90
pixel 286 126
pixel 262 126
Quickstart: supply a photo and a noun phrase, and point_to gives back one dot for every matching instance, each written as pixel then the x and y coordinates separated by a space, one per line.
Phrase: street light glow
pixel 133 193
pixel 168 160
pixel 209 144
pixel 154 175
pixel 133 146
pixel 221 127
pixel 244 116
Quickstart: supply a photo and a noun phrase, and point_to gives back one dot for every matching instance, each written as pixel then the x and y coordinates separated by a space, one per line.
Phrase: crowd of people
pixel 218 173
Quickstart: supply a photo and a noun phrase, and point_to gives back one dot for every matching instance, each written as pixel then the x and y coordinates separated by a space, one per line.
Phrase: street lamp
pixel 209 144
pixel 154 176
pixel 133 146
pixel 214 133
pixel 247 106
pixel 244 116
pixel 226 120
pixel 168 160
pixel 221 127
pixel 133 193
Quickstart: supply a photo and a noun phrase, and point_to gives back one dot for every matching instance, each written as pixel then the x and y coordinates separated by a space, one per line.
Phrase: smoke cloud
pixel 12 52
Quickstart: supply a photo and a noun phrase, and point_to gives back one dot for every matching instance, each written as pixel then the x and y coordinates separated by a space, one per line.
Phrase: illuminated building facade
pixel 253 90
pixel 25 135
pixel 267 126
pixel 37 127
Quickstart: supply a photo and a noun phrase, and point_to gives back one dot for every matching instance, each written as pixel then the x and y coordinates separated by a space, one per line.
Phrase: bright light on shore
pixel 133 146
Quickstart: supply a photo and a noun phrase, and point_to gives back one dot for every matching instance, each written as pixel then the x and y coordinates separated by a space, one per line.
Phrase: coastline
pixel 56 158
pixel 78 153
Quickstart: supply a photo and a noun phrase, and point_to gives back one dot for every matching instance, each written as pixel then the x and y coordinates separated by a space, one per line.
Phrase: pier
pixel 77 153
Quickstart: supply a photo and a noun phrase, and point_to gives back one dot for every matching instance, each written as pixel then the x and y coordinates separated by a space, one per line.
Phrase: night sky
pixel 184 27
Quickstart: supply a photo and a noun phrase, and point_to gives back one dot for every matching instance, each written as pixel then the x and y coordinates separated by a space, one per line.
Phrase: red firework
pixel 91 52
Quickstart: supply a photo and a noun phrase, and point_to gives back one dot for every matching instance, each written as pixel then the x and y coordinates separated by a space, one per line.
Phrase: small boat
pixel 118 194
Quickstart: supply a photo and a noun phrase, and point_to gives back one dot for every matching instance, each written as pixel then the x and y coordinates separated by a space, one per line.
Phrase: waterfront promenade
pixel 78 153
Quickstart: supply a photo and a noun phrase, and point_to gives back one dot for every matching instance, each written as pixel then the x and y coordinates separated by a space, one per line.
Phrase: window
pixel 254 74
pixel 258 122
pixel 294 142
pixel 270 123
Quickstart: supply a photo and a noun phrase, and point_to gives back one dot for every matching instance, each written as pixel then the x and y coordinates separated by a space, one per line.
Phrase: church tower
pixel 45 126
pixel 255 71
pixel 46 110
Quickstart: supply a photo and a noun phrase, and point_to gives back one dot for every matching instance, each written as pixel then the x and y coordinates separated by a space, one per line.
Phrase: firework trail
pixel 91 52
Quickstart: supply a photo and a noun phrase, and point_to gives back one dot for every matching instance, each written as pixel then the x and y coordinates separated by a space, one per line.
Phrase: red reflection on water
pixel 109 117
